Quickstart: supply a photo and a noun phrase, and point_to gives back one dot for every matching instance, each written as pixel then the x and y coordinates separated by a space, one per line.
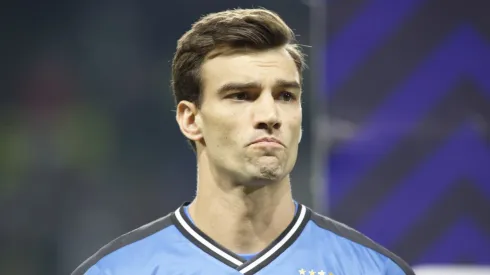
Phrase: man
pixel 237 85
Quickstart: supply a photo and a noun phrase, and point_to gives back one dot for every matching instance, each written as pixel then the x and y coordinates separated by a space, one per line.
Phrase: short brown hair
pixel 254 29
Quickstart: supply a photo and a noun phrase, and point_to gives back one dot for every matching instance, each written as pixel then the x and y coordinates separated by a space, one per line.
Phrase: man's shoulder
pixel 358 238
pixel 125 240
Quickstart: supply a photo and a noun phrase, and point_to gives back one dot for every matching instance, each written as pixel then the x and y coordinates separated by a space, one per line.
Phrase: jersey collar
pixel 262 259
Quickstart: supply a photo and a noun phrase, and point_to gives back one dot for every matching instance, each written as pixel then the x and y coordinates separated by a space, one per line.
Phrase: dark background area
pixel 89 146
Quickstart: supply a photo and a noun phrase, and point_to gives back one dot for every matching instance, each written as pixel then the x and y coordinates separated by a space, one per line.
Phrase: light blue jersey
pixel 311 245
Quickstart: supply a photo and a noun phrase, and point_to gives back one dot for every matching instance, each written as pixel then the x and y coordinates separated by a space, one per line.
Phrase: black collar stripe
pixel 204 242
pixel 280 244
pixel 269 254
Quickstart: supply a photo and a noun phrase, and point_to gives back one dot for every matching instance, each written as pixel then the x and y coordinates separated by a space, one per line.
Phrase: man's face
pixel 249 96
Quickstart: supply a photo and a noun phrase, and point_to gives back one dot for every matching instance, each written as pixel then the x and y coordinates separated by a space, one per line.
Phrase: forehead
pixel 265 67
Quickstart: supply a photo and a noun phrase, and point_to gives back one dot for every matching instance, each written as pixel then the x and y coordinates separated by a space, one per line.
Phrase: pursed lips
pixel 268 139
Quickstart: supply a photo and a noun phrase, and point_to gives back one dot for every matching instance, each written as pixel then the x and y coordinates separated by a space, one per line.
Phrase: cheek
pixel 222 130
pixel 295 124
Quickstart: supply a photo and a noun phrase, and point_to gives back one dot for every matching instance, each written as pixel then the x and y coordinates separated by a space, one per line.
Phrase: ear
pixel 187 116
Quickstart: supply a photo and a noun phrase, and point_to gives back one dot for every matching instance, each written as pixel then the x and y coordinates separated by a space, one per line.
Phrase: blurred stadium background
pixel 396 141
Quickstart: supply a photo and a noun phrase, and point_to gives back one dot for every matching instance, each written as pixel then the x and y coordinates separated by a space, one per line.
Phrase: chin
pixel 265 170
pixel 265 174
pixel 271 173
pixel 262 174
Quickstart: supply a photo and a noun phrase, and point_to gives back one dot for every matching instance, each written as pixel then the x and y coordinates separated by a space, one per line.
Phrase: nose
pixel 266 115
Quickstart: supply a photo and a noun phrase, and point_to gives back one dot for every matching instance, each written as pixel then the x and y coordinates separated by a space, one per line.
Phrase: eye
pixel 287 96
pixel 240 96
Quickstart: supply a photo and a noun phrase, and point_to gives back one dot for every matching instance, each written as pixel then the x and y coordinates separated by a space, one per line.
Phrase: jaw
pixel 249 168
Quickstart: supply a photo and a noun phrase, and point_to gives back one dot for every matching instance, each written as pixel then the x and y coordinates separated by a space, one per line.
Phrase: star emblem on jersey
pixel 312 272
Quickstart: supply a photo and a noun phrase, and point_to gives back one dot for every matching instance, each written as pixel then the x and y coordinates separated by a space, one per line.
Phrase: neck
pixel 242 218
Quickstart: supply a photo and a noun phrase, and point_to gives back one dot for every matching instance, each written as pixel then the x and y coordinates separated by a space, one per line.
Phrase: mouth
pixel 268 141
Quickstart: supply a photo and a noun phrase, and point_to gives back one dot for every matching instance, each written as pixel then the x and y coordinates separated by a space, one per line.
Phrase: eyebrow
pixel 234 86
